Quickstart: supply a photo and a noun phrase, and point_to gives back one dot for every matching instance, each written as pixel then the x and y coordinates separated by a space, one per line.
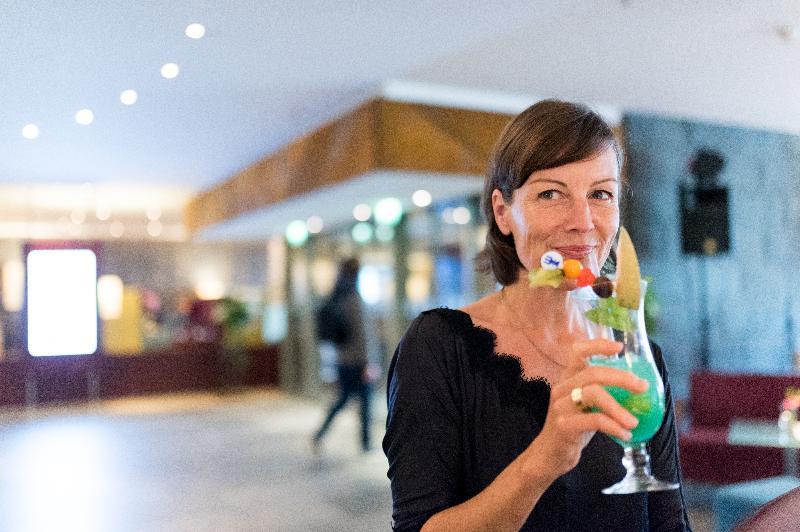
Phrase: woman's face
pixel 573 209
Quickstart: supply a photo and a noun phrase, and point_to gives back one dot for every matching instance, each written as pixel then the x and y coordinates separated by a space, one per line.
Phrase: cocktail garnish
pixel 541 277
pixel 610 313
pixel 585 277
pixel 572 268
pixel 555 269
pixel 628 277
pixel 603 287
pixel 552 260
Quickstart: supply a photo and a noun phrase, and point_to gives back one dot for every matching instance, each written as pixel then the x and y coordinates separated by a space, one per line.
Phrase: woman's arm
pixel 424 430
pixel 504 504
pixel 508 501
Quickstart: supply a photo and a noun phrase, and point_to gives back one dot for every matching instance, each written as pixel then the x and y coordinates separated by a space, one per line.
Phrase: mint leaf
pixel 611 314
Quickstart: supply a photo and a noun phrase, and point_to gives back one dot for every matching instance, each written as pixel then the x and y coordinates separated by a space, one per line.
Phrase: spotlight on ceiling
pixel 314 224
pixel 421 198
pixel 170 71
pixel 362 212
pixel 30 131
pixel 195 31
pixel 128 97
pixel 84 117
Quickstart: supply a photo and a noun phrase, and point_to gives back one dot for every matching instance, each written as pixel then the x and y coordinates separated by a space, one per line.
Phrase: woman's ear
pixel 502 212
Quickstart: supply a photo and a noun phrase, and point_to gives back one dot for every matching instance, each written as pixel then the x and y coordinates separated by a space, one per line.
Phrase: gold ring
pixel 577 398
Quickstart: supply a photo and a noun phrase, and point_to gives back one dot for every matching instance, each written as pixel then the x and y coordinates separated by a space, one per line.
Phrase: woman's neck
pixel 541 308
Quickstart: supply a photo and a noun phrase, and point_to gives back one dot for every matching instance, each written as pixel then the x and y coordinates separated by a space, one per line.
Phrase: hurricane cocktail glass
pixel 599 316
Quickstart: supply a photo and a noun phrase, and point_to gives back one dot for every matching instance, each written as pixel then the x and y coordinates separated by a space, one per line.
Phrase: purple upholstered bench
pixel 715 399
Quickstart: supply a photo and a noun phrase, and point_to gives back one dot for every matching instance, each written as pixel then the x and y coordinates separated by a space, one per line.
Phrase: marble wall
pixel 753 290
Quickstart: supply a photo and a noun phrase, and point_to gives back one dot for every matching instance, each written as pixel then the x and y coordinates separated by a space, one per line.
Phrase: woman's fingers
pixel 594 422
pixel 606 415
pixel 598 410
pixel 597 398
pixel 603 376
pixel 583 349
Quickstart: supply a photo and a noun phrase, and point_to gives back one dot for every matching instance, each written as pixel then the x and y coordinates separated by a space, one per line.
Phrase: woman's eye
pixel 602 195
pixel 548 194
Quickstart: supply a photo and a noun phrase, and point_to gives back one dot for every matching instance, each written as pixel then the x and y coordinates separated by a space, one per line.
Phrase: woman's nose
pixel 580 216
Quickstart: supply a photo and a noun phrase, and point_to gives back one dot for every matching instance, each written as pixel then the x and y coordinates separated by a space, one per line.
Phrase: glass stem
pixel 637 461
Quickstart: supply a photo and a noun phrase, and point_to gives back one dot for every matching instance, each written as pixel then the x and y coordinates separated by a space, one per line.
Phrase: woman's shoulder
pixel 446 336
pixel 444 332
pixel 440 322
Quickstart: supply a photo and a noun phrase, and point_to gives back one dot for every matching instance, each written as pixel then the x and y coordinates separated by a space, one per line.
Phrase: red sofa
pixel 714 400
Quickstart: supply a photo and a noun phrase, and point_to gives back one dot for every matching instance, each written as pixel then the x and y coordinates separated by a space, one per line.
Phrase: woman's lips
pixel 575 252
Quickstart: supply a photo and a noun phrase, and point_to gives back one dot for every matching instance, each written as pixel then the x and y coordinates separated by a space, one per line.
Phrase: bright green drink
pixel 647 407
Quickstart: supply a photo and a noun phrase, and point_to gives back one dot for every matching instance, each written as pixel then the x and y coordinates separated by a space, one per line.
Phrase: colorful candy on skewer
pixel 554 269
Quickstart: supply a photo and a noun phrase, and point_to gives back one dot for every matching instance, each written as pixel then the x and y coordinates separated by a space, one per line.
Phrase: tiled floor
pixel 199 462
pixel 190 463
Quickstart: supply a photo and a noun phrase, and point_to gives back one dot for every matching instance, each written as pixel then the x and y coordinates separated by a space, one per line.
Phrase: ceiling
pixel 268 71
pixel 366 188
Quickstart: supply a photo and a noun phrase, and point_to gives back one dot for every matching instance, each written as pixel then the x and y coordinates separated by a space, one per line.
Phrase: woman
pixel 484 430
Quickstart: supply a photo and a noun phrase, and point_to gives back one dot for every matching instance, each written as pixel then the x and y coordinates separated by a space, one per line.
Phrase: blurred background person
pixel 340 322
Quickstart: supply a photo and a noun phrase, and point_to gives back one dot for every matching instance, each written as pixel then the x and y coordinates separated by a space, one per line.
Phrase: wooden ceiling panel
pixel 380 135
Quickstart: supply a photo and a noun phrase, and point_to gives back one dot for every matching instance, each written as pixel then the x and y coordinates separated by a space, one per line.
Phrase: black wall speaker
pixel 704 220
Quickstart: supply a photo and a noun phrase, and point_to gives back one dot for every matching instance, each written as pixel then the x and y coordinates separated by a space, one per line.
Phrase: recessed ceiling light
pixel 421 198
pixel 296 233
pixel 128 97
pixel 30 131
pixel 170 71
pixel 314 224
pixel 362 212
pixel 195 31
pixel 461 215
pixel 84 117
pixel 388 211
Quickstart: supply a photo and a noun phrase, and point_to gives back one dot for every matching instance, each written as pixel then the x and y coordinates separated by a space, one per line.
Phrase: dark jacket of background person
pixel 351 353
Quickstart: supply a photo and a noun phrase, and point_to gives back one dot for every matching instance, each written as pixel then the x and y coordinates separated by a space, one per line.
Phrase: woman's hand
pixel 568 427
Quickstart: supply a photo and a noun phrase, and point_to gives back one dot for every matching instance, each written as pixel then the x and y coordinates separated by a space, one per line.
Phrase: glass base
pixel 638 478
pixel 630 485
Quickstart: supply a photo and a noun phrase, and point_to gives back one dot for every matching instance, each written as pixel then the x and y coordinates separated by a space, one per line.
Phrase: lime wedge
pixel 628 277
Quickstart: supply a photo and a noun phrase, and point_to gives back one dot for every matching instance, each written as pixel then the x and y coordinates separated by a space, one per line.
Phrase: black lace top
pixel 459 413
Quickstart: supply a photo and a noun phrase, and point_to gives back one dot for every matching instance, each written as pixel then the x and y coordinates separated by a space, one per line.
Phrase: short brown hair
pixel 548 134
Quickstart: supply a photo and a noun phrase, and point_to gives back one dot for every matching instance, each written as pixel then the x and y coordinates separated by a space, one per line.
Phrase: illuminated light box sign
pixel 62 302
